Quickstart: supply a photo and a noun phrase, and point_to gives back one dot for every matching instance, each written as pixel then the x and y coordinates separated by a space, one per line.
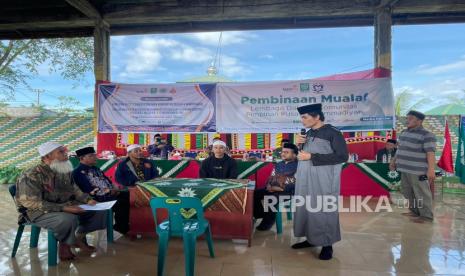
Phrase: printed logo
pixel 304 87
pixel 317 88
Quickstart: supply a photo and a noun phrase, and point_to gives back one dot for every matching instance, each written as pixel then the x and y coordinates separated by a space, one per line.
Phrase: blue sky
pixel 427 59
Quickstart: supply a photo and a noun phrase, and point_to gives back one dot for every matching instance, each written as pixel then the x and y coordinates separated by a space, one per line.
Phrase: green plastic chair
pixel 52 242
pixel 34 240
pixel 110 237
pixel 279 217
pixel 176 225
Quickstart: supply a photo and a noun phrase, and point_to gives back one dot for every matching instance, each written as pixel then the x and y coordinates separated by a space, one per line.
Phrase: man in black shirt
pixel 219 165
pixel 160 148
pixel 389 151
pixel 93 181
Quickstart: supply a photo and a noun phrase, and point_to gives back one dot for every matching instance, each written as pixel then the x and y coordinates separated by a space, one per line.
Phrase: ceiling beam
pixel 164 16
pixel 40 25
pixel 47 33
pixel 232 10
pixel 88 10
pixel 235 25
pixel 386 4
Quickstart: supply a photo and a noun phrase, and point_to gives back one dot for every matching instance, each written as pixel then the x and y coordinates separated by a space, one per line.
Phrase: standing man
pixel 155 148
pixel 135 168
pixel 318 178
pixel 93 181
pixel 219 165
pixel 47 196
pixel 160 148
pixel 385 155
pixel 415 159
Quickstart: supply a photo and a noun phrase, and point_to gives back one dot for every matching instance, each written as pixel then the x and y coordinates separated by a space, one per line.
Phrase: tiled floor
pixel 372 244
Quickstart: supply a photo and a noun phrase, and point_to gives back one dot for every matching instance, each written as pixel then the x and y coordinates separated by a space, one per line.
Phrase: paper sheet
pixel 99 206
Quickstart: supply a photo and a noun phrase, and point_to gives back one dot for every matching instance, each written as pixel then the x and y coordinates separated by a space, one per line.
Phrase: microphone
pixel 302 132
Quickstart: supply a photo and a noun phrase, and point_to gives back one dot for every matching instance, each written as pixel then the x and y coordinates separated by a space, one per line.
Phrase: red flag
pixel 445 162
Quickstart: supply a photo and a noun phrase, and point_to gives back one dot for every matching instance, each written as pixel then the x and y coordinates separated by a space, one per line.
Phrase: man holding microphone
pixel 323 150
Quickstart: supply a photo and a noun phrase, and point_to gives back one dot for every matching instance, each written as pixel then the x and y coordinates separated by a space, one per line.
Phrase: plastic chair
pixel 34 240
pixel 110 226
pixel 279 217
pixel 176 225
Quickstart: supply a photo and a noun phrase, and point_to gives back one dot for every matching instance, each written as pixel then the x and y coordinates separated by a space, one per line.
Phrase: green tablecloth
pixel 166 168
pixel 208 190
pixel 170 168
pixel 246 168
pixel 380 173
pixel 103 164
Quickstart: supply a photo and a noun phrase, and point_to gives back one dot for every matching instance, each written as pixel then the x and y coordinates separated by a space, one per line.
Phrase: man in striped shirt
pixel 415 159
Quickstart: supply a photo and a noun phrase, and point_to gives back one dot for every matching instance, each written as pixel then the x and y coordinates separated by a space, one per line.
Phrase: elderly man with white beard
pixel 47 196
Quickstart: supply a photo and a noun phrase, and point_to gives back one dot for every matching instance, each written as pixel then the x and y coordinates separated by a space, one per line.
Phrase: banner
pixel 156 108
pixel 460 161
pixel 350 105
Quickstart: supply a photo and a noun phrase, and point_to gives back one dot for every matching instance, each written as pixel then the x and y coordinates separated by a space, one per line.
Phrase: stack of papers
pixel 99 206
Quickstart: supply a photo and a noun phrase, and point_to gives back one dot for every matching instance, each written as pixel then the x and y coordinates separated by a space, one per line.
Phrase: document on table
pixel 99 206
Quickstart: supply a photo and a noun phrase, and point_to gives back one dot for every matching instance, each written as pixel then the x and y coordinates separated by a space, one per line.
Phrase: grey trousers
pixel 66 225
pixel 418 194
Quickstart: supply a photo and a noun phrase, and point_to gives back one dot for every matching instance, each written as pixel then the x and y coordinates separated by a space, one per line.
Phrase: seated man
pixel 160 148
pixel 47 196
pixel 388 152
pixel 280 182
pixel 277 151
pixel 93 181
pixel 220 165
pixel 135 168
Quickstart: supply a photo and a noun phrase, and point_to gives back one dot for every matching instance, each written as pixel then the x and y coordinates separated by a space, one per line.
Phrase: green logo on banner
pixel 153 90
pixel 304 87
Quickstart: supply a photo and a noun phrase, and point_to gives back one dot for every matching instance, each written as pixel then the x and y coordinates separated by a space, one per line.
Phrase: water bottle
pixel 384 158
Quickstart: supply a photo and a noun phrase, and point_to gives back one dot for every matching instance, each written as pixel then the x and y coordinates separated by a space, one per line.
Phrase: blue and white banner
pixel 157 107
pixel 271 107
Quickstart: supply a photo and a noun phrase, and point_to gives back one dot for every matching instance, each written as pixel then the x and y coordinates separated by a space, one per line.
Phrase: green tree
pixel 406 100
pixel 458 98
pixel 68 105
pixel 41 108
pixel 3 106
pixel 20 60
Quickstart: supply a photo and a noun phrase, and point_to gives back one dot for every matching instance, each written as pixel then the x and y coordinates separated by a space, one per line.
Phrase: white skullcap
pixel 133 147
pixel 219 143
pixel 48 147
